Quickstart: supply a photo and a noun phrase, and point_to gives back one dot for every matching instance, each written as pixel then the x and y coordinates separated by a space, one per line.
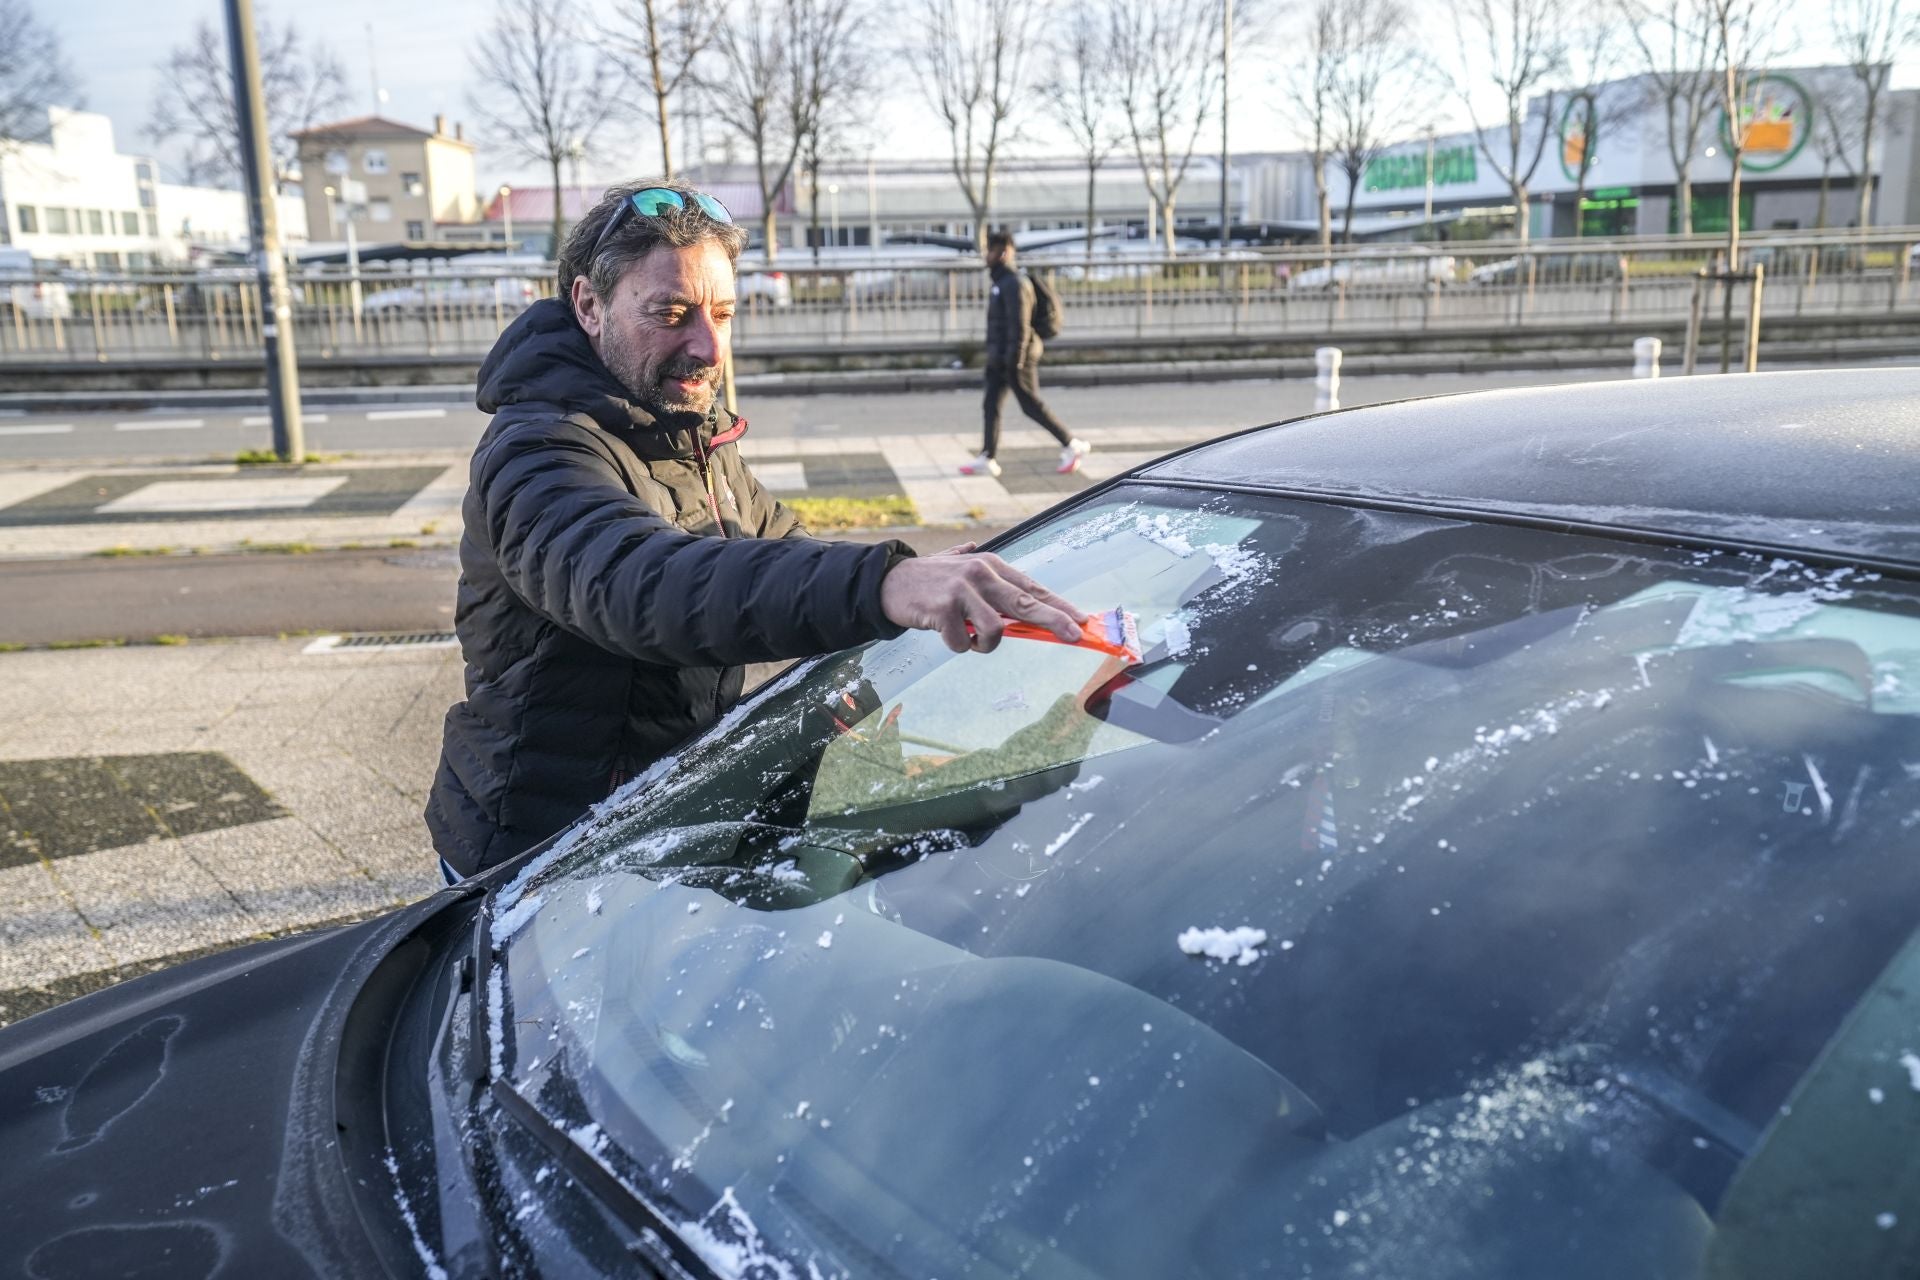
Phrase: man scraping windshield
pixel 620 562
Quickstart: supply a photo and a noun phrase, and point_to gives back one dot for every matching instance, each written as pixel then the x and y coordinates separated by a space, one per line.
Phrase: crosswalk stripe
pixel 161 424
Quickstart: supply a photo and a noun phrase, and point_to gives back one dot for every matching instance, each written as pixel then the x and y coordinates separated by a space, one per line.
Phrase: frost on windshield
pixel 1429 895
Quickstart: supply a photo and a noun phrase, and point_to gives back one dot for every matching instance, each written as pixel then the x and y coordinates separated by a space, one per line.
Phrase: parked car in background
pixel 1499 864
pixel 32 288
pixel 475 281
pixel 1552 268
pixel 756 285
pixel 1378 269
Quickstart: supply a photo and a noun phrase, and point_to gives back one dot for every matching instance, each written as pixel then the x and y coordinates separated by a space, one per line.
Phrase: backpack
pixel 1046 307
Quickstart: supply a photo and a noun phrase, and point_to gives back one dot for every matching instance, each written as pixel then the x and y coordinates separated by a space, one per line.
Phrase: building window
pixel 146 196
pixel 96 222
pixel 374 161
pixel 129 223
pixel 410 182
pixel 153 226
pixel 416 231
pixel 29 219
pixel 337 161
pixel 57 222
pixel 380 209
pixel 106 261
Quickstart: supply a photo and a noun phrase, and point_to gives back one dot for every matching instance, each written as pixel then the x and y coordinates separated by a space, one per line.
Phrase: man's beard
pixel 656 390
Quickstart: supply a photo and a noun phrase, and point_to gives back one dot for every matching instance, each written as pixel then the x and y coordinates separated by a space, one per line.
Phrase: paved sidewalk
pixel 156 802
pixel 78 509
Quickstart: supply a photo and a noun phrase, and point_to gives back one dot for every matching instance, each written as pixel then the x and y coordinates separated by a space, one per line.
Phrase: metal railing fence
pixel 1124 291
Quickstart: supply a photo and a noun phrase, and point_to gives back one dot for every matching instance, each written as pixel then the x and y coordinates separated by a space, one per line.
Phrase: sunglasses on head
pixel 657 202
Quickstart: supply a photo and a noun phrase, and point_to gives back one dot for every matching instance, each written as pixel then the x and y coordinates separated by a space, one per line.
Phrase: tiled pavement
pixel 157 801
pixel 78 509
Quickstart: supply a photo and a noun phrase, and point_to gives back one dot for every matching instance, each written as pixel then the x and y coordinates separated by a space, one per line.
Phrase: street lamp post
pixel 263 220
pixel 506 211
pixel 833 197
pixel 328 192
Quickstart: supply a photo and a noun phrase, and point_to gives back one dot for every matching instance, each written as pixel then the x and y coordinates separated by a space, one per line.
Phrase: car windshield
pixel 1434 898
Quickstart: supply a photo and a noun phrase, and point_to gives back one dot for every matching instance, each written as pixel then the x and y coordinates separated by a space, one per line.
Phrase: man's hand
pixel 947 592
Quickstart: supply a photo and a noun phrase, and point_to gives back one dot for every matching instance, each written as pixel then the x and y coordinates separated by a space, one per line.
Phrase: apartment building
pixel 388 180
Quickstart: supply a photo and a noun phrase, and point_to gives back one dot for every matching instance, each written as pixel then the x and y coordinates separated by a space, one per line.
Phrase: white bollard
pixel 1326 378
pixel 1646 357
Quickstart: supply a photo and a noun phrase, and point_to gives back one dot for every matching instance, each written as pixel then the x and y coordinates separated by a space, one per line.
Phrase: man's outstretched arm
pixel 580 549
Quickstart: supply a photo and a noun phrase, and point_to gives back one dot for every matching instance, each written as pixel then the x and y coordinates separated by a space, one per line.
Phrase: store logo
pixel 1406 169
pixel 1578 125
pixel 1775 118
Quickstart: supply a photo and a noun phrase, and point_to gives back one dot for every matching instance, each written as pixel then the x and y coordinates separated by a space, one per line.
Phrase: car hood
pixel 173 1125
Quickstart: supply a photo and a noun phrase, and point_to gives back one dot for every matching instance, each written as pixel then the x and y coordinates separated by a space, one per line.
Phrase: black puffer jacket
pixel 1011 341
pixel 614 574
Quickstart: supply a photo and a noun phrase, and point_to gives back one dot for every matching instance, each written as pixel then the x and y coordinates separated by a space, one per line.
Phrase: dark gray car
pixel 1501 864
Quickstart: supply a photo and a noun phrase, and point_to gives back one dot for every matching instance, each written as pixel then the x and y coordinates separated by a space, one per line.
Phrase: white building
pixel 1631 185
pixel 75 199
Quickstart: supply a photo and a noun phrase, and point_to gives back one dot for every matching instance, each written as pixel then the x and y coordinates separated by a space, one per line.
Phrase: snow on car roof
pixel 1819 462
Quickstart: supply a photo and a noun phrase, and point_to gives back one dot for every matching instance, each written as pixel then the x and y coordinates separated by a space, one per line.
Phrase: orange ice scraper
pixel 1114 632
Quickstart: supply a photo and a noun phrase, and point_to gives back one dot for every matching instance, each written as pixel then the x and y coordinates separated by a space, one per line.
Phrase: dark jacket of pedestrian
pixel 1011 341
pixel 603 614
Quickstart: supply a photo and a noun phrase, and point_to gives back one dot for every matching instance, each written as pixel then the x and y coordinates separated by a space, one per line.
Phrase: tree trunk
pixel 1346 225
pixel 1866 165
pixel 813 204
pixel 1733 213
pixel 1166 223
pixel 1684 194
pixel 659 92
pixel 1579 198
pixel 1093 166
pixel 1820 210
pixel 1522 213
pixel 770 227
pixel 1324 206
pixel 558 225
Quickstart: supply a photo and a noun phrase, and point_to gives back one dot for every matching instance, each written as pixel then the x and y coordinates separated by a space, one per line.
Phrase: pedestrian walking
pixel 621 562
pixel 1014 347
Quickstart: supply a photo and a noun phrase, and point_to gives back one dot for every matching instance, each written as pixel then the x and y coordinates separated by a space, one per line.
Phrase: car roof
pixel 1821 463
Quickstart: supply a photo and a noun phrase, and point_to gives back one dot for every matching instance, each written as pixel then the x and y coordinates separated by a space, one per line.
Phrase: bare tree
pixel 1083 92
pixel 1743 35
pixel 1170 85
pixel 1871 35
pixel 837 78
pixel 302 83
pixel 661 40
pixel 970 59
pixel 1595 109
pixel 543 94
pixel 757 90
pixel 1523 55
pixel 1370 89
pixel 1308 90
pixel 1674 40
pixel 1836 140
pixel 33 74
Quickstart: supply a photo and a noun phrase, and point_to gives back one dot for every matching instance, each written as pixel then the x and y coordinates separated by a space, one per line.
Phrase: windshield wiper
pixel 657 1245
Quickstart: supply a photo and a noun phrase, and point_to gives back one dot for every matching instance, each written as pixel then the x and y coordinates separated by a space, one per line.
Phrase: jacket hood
pixel 544 358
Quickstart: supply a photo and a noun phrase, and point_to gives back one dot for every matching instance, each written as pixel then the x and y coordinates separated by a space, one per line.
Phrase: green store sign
pixel 1409 169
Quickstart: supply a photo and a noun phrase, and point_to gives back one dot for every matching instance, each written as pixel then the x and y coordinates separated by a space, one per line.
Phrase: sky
pixel 422 49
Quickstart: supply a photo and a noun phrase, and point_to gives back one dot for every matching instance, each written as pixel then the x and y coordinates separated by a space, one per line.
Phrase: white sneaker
pixel 1070 456
pixel 981 466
